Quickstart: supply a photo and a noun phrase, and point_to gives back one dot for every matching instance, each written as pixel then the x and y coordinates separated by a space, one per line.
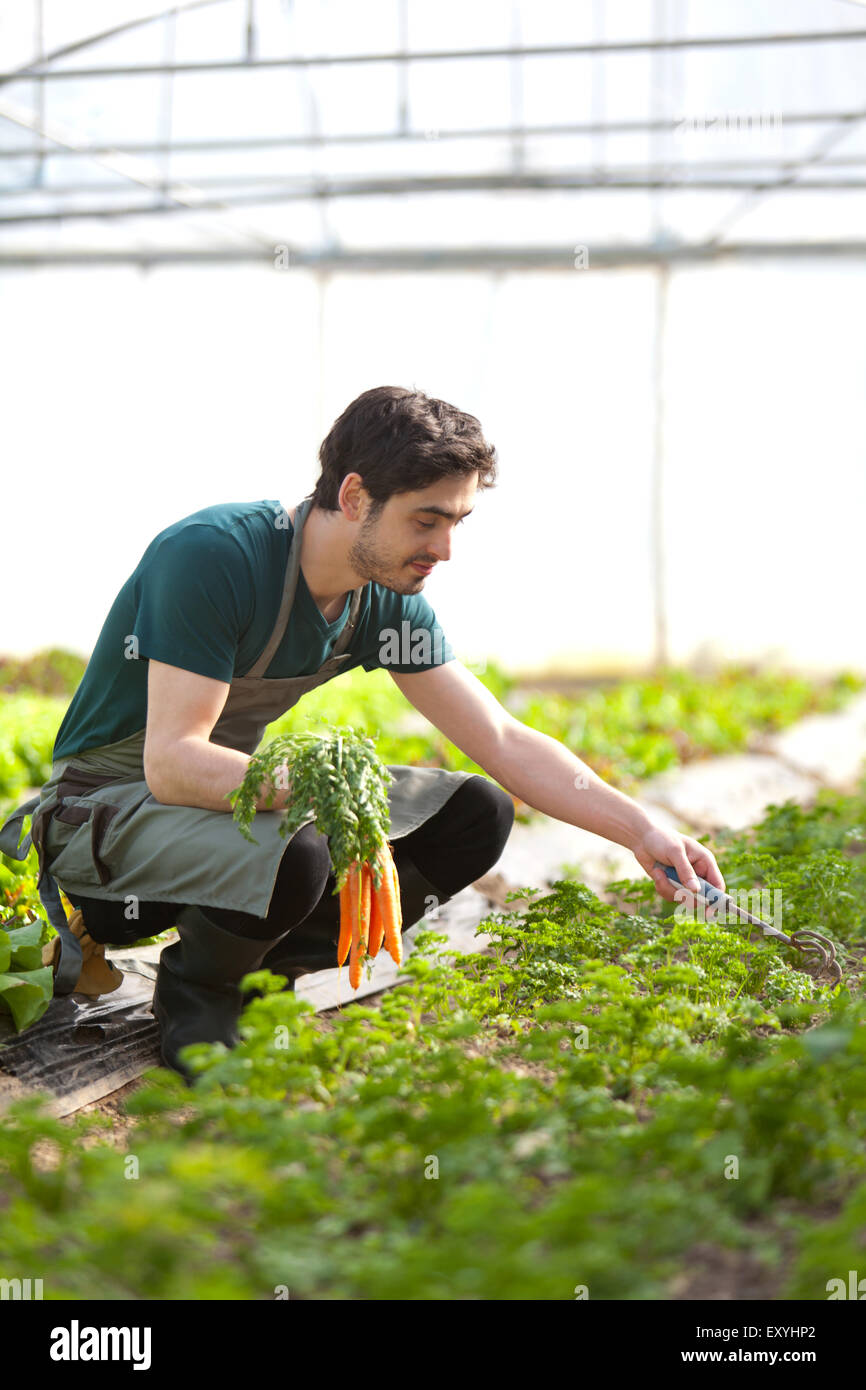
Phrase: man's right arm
pixel 181 766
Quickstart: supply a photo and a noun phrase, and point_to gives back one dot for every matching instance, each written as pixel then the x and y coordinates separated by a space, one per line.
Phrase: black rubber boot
pixel 312 945
pixel 418 896
pixel 197 997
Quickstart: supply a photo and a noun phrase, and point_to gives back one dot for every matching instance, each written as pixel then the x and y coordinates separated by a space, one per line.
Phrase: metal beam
pixel 658 549
pixel 445 55
pixel 373 137
pixel 90 39
pixel 403 187
pixel 182 199
pixel 652 175
pixel 788 180
pixel 558 259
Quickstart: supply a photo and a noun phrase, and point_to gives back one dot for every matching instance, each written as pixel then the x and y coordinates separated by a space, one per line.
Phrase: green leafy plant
pixel 26 986
pixel 560 1109
pixel 52 672
pixel 335 775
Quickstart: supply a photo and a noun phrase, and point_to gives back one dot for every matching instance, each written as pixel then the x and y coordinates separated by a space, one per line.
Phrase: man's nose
pixel 441 547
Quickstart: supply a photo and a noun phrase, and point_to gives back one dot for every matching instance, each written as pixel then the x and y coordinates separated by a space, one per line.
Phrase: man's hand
pixel 658 846
pixel 549 778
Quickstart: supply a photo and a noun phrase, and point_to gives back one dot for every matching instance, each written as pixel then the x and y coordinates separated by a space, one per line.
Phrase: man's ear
pixel 353 498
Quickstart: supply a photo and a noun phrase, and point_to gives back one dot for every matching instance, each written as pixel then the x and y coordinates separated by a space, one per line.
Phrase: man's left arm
pixel 542 772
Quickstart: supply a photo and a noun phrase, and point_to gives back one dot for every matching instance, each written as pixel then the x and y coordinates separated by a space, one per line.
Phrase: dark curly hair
pixel 400 441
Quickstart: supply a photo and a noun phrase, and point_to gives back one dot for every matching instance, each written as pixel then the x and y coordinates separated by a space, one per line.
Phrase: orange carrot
pixel 359 898
pixel 377 923
pixel 355 952
pixel 398 904
pixel 392 914
pixel 345 921
pixel 369 914
pixel 365 894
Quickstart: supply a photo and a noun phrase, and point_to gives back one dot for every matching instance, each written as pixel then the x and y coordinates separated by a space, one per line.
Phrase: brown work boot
pixel 98 975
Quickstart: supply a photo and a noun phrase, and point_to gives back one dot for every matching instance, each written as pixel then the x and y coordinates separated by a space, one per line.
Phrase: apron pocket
pixel 77 857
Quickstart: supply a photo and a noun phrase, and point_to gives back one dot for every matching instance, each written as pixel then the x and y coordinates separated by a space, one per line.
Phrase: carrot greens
pixel 336 776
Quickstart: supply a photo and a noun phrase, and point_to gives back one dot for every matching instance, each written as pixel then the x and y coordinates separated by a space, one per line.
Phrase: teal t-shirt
pixel 205 596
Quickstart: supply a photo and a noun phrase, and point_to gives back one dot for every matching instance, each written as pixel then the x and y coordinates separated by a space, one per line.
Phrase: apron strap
pixel 290 584
pixel 10 833
pixel 69 966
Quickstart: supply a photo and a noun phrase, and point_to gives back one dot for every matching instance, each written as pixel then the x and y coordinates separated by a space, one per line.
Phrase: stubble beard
pixel 374 562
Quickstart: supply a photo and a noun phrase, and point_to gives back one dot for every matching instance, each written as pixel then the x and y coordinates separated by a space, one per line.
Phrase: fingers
pixel 683 865
pixel 704 862
pixel 665 887
pixel 676 857
pixel 668 890
pixel 690 859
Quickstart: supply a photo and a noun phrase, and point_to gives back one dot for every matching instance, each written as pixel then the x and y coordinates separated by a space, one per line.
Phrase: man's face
pixel 412 534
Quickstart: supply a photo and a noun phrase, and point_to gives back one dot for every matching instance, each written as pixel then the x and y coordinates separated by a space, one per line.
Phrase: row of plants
pixel 625 731
pixel 53 671
pixel 637 728
pixel 610 1088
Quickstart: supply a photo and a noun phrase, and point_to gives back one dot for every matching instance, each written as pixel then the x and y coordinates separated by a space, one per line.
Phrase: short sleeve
pixel 191 598
pixel 410 639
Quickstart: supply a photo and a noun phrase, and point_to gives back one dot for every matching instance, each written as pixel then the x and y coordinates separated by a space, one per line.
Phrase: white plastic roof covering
pixel 648 141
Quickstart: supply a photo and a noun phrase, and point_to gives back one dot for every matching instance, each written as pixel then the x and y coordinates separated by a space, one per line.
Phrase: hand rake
pixel 817 949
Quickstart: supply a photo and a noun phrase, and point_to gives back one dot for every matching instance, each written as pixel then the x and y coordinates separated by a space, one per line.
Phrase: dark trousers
pixel 456 846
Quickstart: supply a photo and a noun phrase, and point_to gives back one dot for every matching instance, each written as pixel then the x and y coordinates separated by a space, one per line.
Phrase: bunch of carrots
pixel 370 912
pixel 336 778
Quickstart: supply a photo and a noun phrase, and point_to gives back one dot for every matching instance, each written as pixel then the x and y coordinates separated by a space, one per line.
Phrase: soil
pixel 714 1273
pixel 113 1106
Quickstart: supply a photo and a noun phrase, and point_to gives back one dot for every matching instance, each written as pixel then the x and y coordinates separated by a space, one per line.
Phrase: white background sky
pixel 132 398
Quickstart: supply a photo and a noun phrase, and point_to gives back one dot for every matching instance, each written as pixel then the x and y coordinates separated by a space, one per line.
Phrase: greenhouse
pixel 443 441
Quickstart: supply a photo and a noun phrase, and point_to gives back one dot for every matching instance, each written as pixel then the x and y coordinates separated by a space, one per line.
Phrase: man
pixel 230 617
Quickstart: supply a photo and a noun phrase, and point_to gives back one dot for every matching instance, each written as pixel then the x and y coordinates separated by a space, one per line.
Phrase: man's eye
pixel 426 525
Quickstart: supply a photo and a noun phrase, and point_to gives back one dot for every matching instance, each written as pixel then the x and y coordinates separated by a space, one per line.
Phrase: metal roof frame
pixel 36 74
pixel 813 171
pixel 659 175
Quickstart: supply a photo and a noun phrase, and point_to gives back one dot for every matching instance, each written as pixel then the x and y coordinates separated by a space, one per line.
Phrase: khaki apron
pixel 104 835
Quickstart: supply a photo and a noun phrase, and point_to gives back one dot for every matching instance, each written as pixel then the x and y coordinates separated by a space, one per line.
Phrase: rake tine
pixel 812 943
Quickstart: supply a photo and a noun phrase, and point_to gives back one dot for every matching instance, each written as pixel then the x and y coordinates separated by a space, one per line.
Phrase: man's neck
pixel 331 611
pixel 328 581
